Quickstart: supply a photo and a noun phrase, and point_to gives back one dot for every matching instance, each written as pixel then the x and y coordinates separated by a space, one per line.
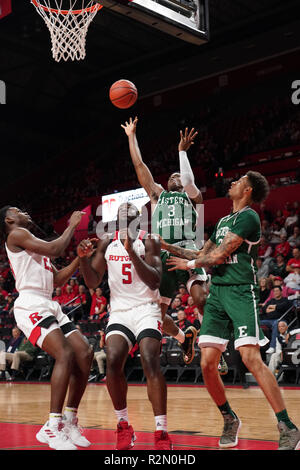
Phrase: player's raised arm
pixel 142 171
pixel 21 238
pixel 186 172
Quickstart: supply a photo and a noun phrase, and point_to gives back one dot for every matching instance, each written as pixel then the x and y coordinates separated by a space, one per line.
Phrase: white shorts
pixel 37 316
pixel 143 321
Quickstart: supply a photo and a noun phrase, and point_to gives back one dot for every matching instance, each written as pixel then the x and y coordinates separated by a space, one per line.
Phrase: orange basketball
pixel 123 94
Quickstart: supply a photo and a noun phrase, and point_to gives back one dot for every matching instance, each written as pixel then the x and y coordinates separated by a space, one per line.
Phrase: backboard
pixel 186 19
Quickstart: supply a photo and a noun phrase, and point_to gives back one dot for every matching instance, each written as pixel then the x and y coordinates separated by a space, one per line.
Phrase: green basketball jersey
pixel 240 267
pixel 174 218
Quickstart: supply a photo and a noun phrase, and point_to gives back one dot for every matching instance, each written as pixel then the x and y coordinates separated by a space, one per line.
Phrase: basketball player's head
pixel 252 187
pixel 174 183
pixel 11 217
pixel 128 217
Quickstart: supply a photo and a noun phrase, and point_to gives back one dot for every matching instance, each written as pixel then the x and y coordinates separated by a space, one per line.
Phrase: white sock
pixel 70 413
pixel 180 337
pixel 54 419
pixel 122 415
pixel 161 423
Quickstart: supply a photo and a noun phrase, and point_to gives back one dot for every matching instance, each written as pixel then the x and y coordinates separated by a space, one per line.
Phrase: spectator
pixel 262 268
pixel 294 262
pixel 184 295
pixel 264 290
pixel 100 356
pixel 286 291
pixel 182 321
pixel 189 310
pixel 264 249
pixel 58 297
pixel 293 279
pixel 291 220
pixel 9 307
pixel 277 267
pixel 276 233
pixel 281 342
pixel 294 239
pixel 2 290
pixel 175 306
pixel 283 247
pixel 74 286
pixel 99 303
pixel 279 218
pixel 272 311
pixel 24 353
pixel 265 229
pixel 13 344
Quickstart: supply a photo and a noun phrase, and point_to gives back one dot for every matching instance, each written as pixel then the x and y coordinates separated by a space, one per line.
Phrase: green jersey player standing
pixel 232 305
pixel 174 217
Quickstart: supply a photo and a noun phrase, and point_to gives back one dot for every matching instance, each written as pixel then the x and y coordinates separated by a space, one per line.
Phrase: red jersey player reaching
pixel 43 322
pixel 132 258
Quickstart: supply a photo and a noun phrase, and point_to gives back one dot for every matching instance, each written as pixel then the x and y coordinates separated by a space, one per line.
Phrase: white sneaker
pixel 74 432
pixel 270 351
pixel 55 437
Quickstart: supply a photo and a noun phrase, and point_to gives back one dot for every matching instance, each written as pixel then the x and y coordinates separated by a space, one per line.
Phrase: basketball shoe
pixel 74 432
pixel 162 441
pixel 55 437
pixel 125 436
pixel 188 346
pixel 289 439
pixel 231 429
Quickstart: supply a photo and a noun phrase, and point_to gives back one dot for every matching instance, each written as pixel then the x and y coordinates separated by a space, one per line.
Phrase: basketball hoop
pixel 68 25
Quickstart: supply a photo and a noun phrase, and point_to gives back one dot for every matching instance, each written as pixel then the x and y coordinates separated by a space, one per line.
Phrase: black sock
pixel 227 411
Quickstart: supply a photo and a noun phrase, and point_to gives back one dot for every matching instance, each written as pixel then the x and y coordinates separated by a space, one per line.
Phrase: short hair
pixel 3 213
pixel 260 186
pixel 278 287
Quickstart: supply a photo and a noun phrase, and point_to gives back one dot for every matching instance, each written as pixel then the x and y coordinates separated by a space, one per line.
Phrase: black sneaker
pixel 188 346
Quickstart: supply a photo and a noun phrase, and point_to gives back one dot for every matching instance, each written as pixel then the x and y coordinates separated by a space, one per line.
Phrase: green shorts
pixel 172 279
pixel 231 310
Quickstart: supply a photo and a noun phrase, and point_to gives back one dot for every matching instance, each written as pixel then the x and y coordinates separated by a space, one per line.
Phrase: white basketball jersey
pixel 32 272
pixel 127 290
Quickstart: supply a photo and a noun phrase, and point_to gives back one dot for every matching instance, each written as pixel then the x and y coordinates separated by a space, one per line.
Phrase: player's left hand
pixel 86 248
pixel 186 139
pixel 177 263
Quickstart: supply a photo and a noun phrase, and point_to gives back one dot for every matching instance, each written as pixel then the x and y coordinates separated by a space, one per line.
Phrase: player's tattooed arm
pixel 210 257
pixel 185 252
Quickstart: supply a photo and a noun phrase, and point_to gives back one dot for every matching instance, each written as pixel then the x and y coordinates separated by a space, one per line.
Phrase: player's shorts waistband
pixel 36 293
pixel 154 302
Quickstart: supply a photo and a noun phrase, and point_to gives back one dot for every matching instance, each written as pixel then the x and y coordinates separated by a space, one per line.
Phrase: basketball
pixel 123 94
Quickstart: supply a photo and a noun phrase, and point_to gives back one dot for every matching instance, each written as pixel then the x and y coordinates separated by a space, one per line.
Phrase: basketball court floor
pixel 193 420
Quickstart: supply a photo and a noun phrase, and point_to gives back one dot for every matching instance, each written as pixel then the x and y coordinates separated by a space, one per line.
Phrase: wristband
pixel 191 264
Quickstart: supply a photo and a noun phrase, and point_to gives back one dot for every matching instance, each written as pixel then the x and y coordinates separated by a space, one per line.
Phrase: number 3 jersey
pixel 127 290
pixel 32 272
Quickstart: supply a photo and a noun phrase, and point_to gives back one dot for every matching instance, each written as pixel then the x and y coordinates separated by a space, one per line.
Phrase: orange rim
pixel 66 12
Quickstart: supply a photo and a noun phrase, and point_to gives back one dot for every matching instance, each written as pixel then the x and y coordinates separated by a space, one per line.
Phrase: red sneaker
pixel 162 441
pixel 125 436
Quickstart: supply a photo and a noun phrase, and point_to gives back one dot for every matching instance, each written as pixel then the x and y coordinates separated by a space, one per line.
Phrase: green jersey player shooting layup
pixel 174 217
pixel 232 306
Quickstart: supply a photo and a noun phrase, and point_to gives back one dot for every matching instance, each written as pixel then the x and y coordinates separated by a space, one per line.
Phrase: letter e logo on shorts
pixel 242 331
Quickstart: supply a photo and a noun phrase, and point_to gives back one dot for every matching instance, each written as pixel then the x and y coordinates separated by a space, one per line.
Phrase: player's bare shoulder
pixel 16 237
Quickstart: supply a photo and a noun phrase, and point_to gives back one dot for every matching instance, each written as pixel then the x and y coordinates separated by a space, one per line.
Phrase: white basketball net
pixel 68 22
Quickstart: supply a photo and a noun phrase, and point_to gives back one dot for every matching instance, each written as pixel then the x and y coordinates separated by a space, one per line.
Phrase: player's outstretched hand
pixel 86 248
pixel 186 139
pixel 177 263
pixel 163 243
pixel 130 127
pixel 75 218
